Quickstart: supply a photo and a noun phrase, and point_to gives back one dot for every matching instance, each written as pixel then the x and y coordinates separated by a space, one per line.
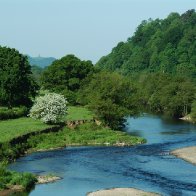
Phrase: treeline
pixel 165 94
pixel 107 94
pixel 165 46
pixel 113 96
pixel 160 58
pixel 153 71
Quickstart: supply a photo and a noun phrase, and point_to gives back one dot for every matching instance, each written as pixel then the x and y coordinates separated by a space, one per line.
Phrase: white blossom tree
pixel 50 108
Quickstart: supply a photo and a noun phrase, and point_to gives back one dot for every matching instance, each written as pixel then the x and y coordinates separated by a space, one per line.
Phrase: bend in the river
pixel 149 167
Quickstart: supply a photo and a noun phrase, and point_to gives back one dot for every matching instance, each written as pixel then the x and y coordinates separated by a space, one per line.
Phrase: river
pixel 149 167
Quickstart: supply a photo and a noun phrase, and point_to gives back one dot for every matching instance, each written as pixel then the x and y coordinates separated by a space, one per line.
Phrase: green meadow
pixel 78 113
pixel 10 129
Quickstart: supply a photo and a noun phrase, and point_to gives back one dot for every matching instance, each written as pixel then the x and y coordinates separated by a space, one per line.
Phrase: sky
pixel 88 29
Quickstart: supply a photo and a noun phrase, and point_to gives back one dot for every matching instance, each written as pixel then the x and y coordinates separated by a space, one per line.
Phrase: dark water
pixel 148 167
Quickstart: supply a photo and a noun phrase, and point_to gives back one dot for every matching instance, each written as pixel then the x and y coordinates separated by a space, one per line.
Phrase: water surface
pixel 148 167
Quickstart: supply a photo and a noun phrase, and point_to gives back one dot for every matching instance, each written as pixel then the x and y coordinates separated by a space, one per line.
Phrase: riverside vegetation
pixel 153 71
pixel 156 66
pixel 34 135
pixel 160 58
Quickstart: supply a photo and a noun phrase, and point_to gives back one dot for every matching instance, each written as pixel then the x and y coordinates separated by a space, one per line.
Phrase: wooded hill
pixel 40 61
pixel 166 46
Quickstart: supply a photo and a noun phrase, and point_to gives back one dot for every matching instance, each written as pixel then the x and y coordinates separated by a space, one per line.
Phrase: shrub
pixel 27 180
pixel 18 112
pixel 7 178
pixel 50 108
pixel 3 166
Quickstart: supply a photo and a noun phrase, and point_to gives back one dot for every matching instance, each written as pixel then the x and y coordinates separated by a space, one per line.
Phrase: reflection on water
pixel 149 167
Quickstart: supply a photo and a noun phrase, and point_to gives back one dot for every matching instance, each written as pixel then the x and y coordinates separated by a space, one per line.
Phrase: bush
pixel 7 178
pixel 50 108
pixel 27 180
pixel 18 112
pixel 10 152
pixel 3 166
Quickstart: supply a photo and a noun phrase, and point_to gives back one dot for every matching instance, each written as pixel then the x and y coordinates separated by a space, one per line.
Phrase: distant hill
pixel 165 46
pixel 41 61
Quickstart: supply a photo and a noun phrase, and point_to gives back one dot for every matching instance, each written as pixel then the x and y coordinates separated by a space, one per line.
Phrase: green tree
pixel 36 71
pixel 193 111
pixel 16 83
pixel 166 45
pixel 164 93
pixel 110 97
pixel 66 75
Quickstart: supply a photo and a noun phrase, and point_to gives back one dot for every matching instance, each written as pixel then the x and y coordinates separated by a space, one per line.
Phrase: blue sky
pixel 87 28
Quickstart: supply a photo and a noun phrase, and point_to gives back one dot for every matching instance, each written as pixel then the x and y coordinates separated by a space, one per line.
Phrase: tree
pixel 167 46
pixel 193 111
pixel 16 83
pixel 66 75
pixel 110 97
pixel 50 108
pixel 36 71
pixel 167 94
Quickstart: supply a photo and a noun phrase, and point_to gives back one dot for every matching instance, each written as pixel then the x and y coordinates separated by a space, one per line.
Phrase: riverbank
pixel 88 134
pixel 25 135
pixel 122 192
pixel 11 188
pixel 11 181
pixel 188 118
pixel 188 154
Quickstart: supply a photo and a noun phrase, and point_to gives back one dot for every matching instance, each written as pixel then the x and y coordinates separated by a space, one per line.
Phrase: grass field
pixel 10 129
pixel 78 113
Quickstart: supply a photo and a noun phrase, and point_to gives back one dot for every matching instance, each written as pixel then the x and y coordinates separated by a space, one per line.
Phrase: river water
pixel 149 167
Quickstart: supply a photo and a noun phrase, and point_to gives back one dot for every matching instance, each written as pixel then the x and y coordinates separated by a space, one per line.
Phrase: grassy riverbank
pixel 25 134
pixel 11 179
pixel 82 135
pixel 10 129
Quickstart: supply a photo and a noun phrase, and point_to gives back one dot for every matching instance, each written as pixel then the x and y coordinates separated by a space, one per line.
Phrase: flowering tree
pixel 50 108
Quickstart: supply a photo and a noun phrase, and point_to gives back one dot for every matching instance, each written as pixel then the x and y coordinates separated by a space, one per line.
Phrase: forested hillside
pixel 160 59
pixel 41 61
pixel 166 46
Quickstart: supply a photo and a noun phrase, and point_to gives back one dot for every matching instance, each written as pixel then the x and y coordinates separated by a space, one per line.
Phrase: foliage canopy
pixel 165 46
pixel 66 75
pixel 16 83
pixel 110 96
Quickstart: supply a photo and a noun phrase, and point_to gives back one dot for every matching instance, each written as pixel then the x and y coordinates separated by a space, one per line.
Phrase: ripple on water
pixel 149 167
